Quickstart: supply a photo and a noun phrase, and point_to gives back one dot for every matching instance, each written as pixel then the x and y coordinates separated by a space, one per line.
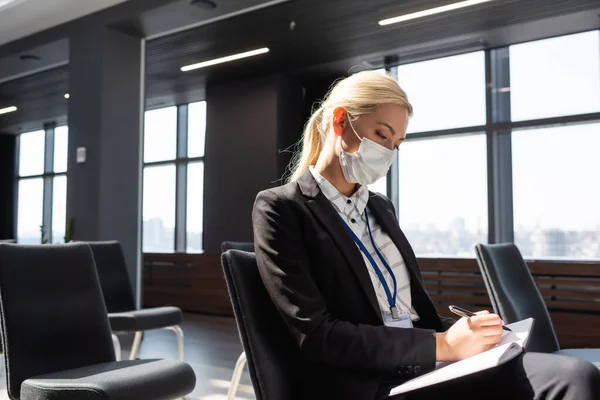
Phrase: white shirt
pixel 352 210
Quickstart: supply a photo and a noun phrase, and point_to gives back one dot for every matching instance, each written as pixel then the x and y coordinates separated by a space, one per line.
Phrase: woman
pixel 346 281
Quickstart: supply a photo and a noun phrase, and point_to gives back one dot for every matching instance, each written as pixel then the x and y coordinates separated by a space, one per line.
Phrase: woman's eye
pixel 381 135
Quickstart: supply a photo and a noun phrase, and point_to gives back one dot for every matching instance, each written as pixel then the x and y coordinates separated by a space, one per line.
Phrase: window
pixel 42 186
pixel 31 153
pixel 159 208
pixel 555 77
pixel 195 206
pixel 174 178
pixel 445 93
pixel 30 211
pixel 380 186
pixel 443 194
pixel 160 134
pixel 556 191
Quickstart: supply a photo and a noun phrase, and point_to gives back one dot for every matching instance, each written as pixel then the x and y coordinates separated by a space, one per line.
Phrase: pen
pixel 466 313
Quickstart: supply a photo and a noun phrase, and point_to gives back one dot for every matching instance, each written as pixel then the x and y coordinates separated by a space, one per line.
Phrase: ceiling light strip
pixel 222 60
pixel 431 11
pixel 8 109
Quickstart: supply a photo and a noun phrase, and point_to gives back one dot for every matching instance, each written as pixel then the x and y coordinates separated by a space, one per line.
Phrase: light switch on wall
pixel 81 154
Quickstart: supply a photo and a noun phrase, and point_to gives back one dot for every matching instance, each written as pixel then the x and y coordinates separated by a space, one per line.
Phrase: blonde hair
pixel 358 94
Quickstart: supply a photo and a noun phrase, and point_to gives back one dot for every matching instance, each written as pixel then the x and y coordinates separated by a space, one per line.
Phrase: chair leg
pixel 117 347
pixel 136 345
pixel 179 333
pixel 237 376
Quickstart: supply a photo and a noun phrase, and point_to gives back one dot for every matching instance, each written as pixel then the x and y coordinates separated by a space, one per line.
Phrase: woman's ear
pixel 339 120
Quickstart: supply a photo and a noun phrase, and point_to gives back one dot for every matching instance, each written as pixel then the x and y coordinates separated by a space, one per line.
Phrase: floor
pixel 212 347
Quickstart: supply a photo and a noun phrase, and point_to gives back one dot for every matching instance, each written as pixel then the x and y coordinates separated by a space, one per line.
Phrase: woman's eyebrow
pixel 388 126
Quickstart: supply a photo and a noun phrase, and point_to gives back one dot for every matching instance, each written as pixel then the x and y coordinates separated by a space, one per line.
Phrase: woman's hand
pixel 468 337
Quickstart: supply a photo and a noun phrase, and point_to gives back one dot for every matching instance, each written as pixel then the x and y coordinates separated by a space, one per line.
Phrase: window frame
pixel 180 162
pixel 498 130
pixel 48 181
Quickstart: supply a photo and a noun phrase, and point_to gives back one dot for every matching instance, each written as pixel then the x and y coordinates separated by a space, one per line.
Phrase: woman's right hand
pixel 468 337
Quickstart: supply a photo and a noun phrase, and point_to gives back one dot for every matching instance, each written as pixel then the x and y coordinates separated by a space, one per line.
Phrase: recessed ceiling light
pixel 225 59
pixel 431 11
pixel 67 95
pixel 8 109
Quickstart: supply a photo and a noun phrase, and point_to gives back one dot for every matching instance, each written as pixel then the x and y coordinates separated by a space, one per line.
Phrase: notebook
pixel 511 345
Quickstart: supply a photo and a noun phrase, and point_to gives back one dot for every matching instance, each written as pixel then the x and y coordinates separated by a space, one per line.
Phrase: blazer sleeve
pixel 322 337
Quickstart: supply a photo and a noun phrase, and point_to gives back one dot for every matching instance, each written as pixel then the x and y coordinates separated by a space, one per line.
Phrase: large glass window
pixel 59 209
pixel 555 77
pixel 160 134
pixel 446 93
pixel 42 186
pixel 30 211
pixel 61 148
pixel 159 208
pixel 174 179
pixel 196 129
pixel 556 191
pixel 31 153
pixel 195 206
pixel 443 194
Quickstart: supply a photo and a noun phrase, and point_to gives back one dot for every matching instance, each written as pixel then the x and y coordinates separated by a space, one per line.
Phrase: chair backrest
pixel 272 354
pixel 514 294
pixel 52 312
pixel 243 246
pixel 114 278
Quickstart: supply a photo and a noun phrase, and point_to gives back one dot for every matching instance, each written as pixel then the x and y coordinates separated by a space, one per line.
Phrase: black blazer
pixel 317 279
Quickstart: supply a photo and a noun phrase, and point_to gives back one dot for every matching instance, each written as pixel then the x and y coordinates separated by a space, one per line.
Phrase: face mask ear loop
pixel 352 126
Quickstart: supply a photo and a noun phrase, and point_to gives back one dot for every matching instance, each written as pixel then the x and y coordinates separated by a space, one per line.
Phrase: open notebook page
pixel 512 344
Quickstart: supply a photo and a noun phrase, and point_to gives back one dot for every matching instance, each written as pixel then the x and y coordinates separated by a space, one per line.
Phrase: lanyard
pixel 391 298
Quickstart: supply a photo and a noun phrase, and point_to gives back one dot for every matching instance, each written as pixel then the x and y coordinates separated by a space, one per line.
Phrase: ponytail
pixel 312 144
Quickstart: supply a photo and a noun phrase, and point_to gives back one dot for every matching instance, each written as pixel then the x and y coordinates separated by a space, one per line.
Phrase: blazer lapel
pixel 327 215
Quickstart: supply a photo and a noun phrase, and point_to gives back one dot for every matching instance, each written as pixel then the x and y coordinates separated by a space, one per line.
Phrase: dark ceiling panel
pixel 182 14
pixel 330 36
pixel 328 31
pixel 39 98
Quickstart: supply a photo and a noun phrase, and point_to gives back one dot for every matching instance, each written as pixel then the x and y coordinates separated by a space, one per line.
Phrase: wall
pixel 7 186
pixel 247 123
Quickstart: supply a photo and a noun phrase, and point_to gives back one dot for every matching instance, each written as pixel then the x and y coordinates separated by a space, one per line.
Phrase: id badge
pixel 403 321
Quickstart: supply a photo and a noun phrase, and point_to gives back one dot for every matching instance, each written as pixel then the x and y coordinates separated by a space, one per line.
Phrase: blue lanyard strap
pixel 391 298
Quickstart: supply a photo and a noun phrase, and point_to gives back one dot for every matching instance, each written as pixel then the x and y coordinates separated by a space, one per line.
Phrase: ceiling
pixel 345 33
pixel 26 17
pixel 328 37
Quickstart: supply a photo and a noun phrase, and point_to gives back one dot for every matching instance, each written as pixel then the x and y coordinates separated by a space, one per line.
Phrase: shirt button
pixel 349 201
pixel 352 220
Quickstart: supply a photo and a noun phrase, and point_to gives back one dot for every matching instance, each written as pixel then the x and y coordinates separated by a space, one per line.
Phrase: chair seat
pixel 591 355
pixel 142 320
pixel 137 379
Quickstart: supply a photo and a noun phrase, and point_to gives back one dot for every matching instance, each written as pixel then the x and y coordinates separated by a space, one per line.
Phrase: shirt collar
pixel 358 200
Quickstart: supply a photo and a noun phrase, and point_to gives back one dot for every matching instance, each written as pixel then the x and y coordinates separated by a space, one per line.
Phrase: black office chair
pixel 120 303
pixel 57 336
pixel 515 296
pixel 243 246
pixel 271 352
pixel 241 362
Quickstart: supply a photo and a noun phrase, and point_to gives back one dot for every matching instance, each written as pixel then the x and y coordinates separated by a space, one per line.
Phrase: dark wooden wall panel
pixel 195 283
